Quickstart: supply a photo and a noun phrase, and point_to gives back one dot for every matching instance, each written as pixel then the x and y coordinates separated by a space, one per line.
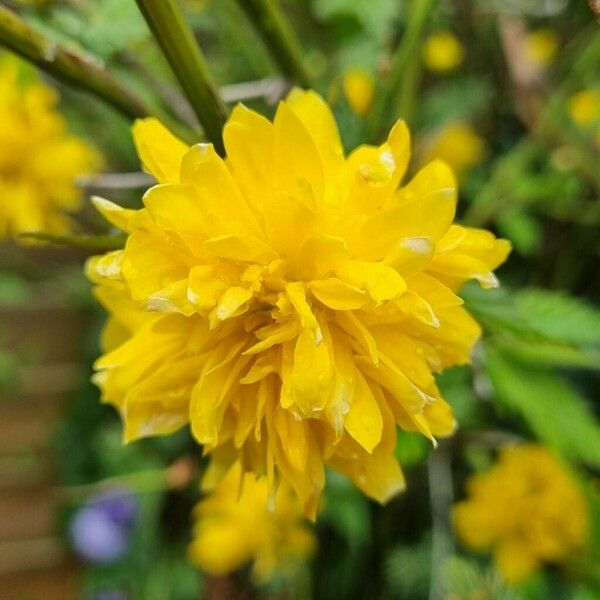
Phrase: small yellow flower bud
pixel 358 89
pixel 442 52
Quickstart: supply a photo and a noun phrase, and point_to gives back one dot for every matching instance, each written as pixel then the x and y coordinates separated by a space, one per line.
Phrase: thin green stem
pixel 185 57
pixel 70 66
pixel 94 243
pixel 384 108
pixel 147 481
pixel 279 37
pixel 409 90
pixel 439 471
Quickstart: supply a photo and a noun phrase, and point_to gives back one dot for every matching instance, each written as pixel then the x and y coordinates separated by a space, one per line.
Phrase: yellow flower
pixel 541 46
pixel 359 89
pixel 526 509
pixel 236 527
pixel 442 52
pixel 290 303
pixel 39 160
pixel 584 107
pixel 458 145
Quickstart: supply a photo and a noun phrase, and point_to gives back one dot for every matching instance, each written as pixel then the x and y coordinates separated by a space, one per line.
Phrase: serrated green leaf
pixel 497 311
pixel 539 327
pixel 547 354
pixel 560 317
pixel 465 578
pixel 554 411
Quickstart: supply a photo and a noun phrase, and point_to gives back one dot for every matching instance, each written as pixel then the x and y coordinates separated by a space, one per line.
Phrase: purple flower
pixel 96 537
pixel 100 530
pixel 118 504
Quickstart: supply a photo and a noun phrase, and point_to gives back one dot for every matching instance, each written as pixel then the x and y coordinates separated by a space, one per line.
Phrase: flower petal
pixel 159 150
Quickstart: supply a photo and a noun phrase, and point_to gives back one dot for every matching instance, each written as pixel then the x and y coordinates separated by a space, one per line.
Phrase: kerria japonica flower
pixel 526 509
pixel 235 526
pixel 290 303
pixel 39 159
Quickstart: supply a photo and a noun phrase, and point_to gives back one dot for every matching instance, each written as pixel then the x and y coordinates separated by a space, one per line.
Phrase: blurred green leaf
pixel 104 27
pixel 541 353
pixel 407 570
pixel 536 315
pixel 376 17
pixel 457 388
pixel 411 449
pixel 345 529
pixel 560 317
pixel 551 407
pixel 458 99
pixel 465 578
pixel 8 369
pixel 14 290
pixel 522 229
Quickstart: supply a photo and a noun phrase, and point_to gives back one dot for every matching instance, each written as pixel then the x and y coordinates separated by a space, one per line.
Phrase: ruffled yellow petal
pixel 297 164
pixel 113 213
pixel 159 150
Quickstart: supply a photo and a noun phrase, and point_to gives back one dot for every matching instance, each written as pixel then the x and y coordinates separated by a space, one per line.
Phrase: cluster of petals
pixel 289 302
pixel 526 509
pixel 39 159
pixel 235 525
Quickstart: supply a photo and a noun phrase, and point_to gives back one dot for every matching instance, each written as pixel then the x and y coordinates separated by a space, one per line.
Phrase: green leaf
pixel 547 354
pixel 345 531
pixel 14 290
pixel 497 311
pixel 539 327
pixel 376 17
pixel 408 570
pixel 522 229
pixel 456 386
pixel 560 317
pixel 458 99
pixel 465 578
pixel 411 449
pixel 552 409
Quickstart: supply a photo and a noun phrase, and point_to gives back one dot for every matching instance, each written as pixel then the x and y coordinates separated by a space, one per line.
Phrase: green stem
pixel 409 90
pixel 279 37
pixel 384 107
pixel 148 481
pixel 68 65
pixel 85 242
pixel 181 50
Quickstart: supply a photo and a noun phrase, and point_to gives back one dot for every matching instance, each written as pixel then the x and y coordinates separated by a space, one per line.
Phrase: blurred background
pixel 508 93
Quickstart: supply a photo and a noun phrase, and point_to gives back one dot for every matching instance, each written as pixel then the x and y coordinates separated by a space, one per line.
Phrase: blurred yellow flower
pixel 358 89
pixel 526 509
pixel 584 107
pixel 442 52
pixel 39 160
pixel 458 145
pixel 235 526
pixel 290 303
pixel 541 46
